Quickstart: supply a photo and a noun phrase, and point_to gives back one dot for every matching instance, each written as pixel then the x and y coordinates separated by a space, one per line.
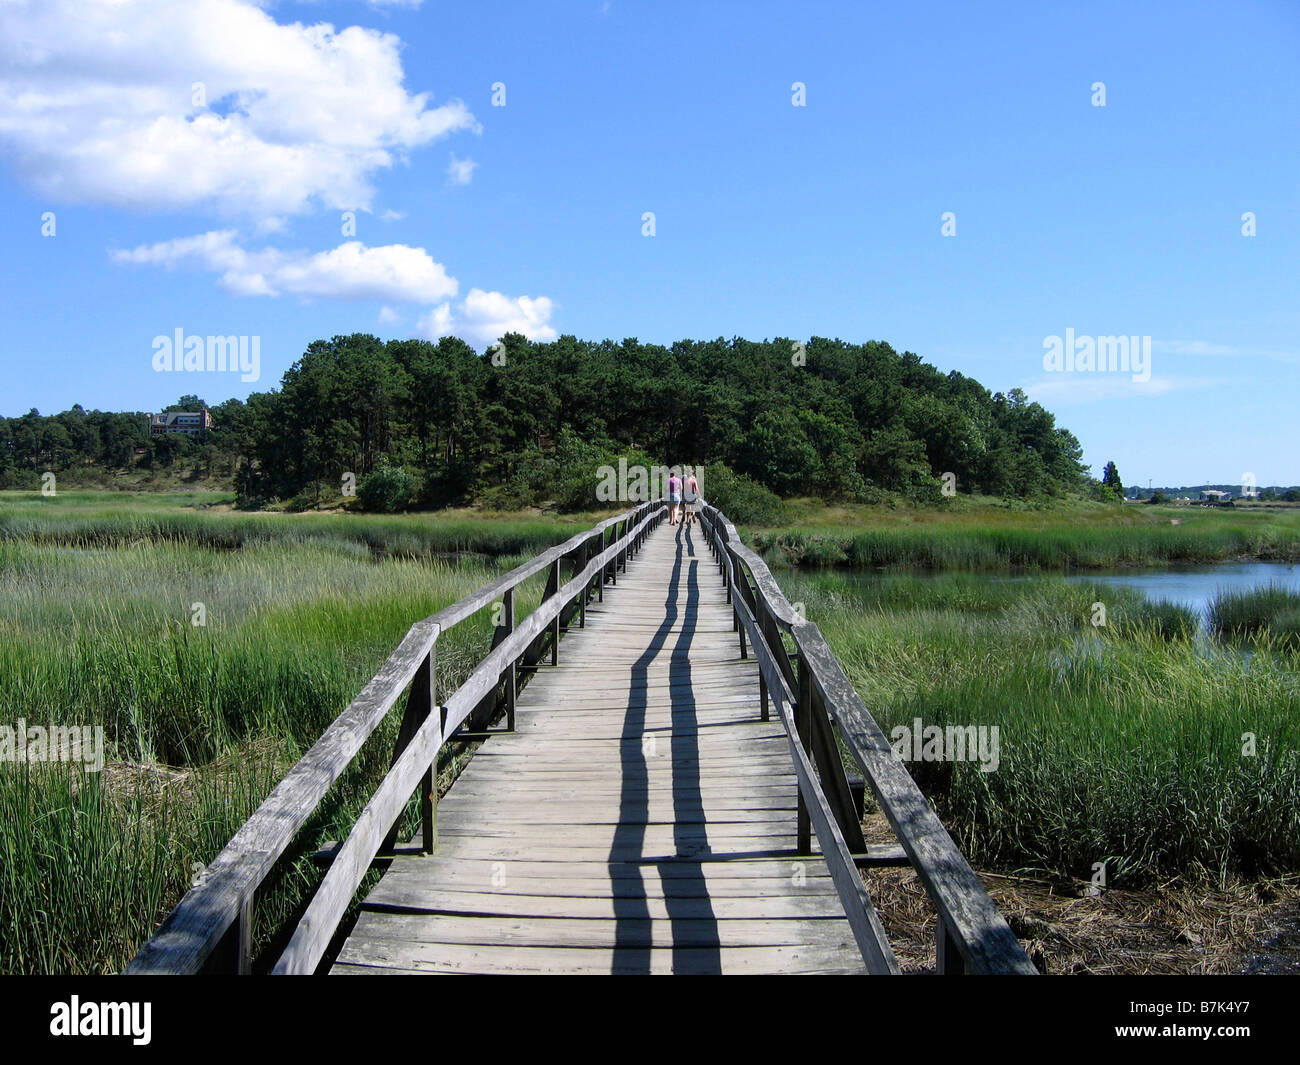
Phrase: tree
pixel 1110 480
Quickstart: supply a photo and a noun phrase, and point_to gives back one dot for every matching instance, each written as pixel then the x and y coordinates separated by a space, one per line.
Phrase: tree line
pixel 529 422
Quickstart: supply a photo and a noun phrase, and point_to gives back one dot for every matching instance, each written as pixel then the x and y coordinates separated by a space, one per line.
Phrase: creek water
pixel 1195 587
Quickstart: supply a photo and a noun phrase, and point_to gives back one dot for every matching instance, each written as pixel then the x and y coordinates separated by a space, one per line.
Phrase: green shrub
pixel 387 489
pixel 740 498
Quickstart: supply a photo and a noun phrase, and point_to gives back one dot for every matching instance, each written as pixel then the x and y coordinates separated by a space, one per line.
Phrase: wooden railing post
pixel 512 677
pixel 419 702
pixel 428 688
pixel 586 589
pixel 948 959
pixel 600 577
pixel 233 954
pixel 803 725
pixel 740 629
pixel 555 624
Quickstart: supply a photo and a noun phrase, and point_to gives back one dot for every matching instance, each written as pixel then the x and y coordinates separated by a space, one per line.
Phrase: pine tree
pixel 1110 479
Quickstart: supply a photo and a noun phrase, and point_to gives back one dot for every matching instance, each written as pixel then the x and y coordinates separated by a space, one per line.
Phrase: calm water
pixel 1196 587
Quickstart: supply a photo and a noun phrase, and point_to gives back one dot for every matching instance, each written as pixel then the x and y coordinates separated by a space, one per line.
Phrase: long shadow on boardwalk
pixel 691 917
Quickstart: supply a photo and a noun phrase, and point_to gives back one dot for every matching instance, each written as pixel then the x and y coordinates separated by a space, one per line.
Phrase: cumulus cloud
pixel 483 317
pixel 394 273
pixel 152 104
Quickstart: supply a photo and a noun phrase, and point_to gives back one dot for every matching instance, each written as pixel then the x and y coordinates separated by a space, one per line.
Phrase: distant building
pixel 1215 495
pixel 180 421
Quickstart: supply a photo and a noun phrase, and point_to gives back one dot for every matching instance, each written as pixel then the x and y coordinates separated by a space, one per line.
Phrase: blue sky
pixel 223 214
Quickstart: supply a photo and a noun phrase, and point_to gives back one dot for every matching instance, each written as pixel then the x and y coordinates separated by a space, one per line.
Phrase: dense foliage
pixel 530 422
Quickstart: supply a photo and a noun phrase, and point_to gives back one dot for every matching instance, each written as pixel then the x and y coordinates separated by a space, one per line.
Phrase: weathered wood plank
pixel 400 897
pixel 610 933
pixel 462 958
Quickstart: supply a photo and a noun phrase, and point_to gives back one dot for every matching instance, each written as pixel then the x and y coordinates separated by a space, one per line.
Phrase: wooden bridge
pixel 664 792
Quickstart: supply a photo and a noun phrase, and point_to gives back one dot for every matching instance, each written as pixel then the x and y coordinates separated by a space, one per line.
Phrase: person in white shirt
pixel 690 497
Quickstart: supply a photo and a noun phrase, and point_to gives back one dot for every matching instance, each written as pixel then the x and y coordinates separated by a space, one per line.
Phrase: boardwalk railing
pixel 210 929
pixel 815 700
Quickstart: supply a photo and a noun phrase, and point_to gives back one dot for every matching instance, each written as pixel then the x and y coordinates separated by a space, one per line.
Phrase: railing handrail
pixel 222 895
pixel 969 921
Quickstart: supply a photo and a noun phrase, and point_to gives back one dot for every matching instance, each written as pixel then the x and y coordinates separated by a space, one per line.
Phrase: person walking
pixel 690 496
pixel 674 497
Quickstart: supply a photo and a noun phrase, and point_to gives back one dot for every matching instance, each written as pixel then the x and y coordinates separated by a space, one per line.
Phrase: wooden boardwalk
pixel 641 818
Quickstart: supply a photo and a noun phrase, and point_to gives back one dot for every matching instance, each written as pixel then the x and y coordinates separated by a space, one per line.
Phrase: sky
pixel 964 181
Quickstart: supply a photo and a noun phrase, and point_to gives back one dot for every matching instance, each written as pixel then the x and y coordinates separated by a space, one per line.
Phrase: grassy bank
pixel 97 613
pixel 1120 744
pixel 985 535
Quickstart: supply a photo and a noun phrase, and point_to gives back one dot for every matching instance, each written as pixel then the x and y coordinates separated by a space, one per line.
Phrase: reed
pixel 1270 614
pixel 1134 744
pixel 97 627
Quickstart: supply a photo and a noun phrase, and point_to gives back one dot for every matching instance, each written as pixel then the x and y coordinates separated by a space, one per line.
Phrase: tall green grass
pixel 1270 614
pixel 200 721
pixel 75 522
pixel 1121 744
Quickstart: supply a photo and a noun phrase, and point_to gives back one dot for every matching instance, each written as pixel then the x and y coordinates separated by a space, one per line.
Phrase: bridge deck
pixel 640 819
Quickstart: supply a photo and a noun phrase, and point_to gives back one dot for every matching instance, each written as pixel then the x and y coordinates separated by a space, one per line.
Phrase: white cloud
pixel 392 272
pixel 392 216
pixel 460 171
pixel 1204 348
pixel 1070 389
pixel 1192 347
pixel 388 316
pixel 96 106
pixel 483 317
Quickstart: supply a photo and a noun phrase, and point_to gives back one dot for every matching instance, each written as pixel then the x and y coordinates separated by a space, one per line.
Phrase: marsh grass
pixel 1270 614
pixel 200 721
pixel 1120 744
pixel 88 520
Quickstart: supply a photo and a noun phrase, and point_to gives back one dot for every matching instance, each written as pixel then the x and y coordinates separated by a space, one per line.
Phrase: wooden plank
pixel 751 869
pixel 611 933
pixel 646 886
pixel 426 898
pixel 595 961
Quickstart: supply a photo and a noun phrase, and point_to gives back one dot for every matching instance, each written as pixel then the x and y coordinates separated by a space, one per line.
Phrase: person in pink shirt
pixel 674 497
